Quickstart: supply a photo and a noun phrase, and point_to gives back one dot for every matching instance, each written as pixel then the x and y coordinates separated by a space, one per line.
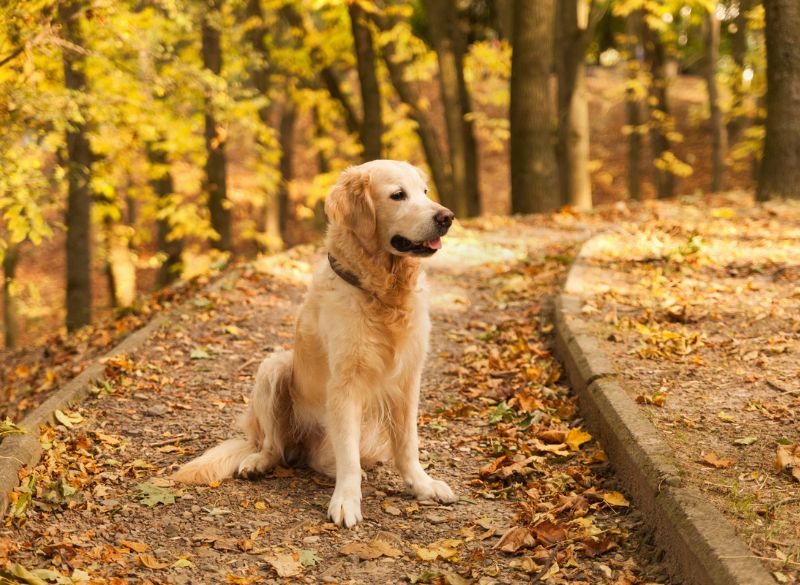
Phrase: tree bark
pixel 371 130
pixel 78 170
pixel 163 186
pixel 440 172
pixel 719 139
pixel 659 111
pixel 450 47
pixel 10 309
pixel 216 163
pixel 780 166
pixel 739 120
pixel 260 72
pixel 573 109
pixel 534 174
pixel 287 127
pixel 633 105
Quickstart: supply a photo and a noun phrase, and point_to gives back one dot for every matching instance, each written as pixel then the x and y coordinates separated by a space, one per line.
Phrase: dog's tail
pixel 264 424
pixel 217 463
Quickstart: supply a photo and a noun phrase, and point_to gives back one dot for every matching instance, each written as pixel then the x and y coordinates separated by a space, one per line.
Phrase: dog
pixel 347 396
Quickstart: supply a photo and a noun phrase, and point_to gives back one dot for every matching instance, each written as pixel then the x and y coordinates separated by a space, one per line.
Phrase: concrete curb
pixel 23 449
pixel 701 546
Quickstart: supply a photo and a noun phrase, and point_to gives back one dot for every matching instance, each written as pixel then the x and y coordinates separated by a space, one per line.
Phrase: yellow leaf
pixel 260 506
pixel 615 499
pixel 134 546
pixel 576 437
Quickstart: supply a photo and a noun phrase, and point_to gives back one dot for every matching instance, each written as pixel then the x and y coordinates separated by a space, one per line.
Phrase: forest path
pixel 496 423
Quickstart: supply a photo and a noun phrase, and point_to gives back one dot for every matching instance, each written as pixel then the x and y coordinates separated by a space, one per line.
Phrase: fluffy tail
pixel 217 463
pixel 266 424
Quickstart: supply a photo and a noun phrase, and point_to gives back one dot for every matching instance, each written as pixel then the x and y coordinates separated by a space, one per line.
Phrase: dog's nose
pixel 444 218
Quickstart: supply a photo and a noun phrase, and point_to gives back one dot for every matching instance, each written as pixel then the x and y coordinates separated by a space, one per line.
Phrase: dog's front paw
pixel 433 489
pixel 345 507
pixel 252 466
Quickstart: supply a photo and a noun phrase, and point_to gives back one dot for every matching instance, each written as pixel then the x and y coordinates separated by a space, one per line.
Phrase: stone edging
pixel 20 450
pixel 701 546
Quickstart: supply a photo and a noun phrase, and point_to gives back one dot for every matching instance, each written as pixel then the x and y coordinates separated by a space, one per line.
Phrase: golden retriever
pixel 348 394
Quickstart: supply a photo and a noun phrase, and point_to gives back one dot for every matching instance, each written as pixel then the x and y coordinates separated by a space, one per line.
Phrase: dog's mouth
pixel 423 248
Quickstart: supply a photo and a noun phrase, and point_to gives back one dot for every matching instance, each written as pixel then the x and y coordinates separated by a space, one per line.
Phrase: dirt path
pixel 496 423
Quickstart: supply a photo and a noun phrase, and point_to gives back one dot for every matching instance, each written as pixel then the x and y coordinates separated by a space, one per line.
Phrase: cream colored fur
pixel 348 395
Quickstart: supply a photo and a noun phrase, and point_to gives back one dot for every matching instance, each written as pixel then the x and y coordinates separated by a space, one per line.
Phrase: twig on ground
pixel 784 502
pixel 547 565
pixel 181 438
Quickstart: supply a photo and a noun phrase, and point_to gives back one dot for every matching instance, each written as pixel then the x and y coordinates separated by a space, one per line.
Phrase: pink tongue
pixel 434 244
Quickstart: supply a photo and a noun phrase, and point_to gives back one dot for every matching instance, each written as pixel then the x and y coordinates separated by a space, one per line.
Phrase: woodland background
pixel 145 141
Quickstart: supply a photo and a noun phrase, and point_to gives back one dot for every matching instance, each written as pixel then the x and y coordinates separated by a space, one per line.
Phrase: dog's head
pixel 385 203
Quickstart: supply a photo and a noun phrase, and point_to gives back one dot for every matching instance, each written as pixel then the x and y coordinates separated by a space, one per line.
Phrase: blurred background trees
pixel 144 141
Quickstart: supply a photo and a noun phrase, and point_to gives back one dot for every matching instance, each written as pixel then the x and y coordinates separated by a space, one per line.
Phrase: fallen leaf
pixel 441 549
pixel 373 550
pixel 151 562
pixel 183 564
pixel 725 417
pixel 285 564
pixel 135 546
pixel 200 354
pixel 552 436
pixel 151 495
pixel 7 427
pixel 514 539
pixel 594 547
pixel 308 558
pixel 615 499
pixel 548 533
pixel 787 458
pixel 493 466
pixel 745 441
pixel 576 437
pixel 710 459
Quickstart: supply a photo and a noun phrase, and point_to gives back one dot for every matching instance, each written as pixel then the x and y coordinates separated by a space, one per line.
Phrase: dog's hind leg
pixel 268 420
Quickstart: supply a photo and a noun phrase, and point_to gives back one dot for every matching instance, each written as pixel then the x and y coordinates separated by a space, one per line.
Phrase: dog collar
pixel 345 275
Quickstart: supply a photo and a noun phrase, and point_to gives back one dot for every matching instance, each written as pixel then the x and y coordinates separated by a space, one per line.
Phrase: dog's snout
pixel 444 218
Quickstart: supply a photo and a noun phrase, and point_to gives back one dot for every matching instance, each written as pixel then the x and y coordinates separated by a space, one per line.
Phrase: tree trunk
pixel 287 126
pixel 78 170
pixel 216 163
pixel 440 172
pixel 659 112
pixel 739 120
pixel 10 309
pixel 780 167
pixel 534 174
pixel 450 47
pixel 504 18
pixel 573 109
pixel 371 131
pixel 719 139
pixel 163 186
pixel 260 76
pixel 633 105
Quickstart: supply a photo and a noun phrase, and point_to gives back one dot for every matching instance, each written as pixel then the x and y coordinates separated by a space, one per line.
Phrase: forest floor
pixel 537 500
pixel 700 314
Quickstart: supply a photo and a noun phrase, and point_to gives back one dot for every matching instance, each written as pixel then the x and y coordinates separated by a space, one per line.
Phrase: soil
pixel 700 313
pixel 496 423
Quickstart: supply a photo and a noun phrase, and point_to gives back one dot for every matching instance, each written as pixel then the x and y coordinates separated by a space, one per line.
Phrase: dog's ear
pixel 349 203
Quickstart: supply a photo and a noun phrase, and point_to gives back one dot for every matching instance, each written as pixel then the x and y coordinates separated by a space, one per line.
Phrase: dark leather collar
pixel 345 275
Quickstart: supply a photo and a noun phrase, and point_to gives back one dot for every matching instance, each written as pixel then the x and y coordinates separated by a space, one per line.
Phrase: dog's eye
pixel 398 196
